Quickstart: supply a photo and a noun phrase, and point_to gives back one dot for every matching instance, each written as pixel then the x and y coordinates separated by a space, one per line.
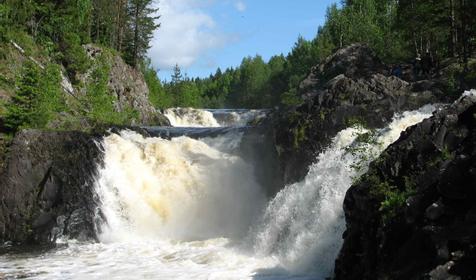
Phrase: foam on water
pixel 160 259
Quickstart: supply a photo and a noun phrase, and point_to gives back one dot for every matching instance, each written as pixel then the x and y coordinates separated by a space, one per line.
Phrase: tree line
pixel 126 26
pixel 398 31
pixel 55 31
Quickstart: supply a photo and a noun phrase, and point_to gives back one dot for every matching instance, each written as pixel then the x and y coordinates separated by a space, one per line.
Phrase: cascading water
pixel 188 208
pixel 189 117
pixel 180 188
pixel 304 223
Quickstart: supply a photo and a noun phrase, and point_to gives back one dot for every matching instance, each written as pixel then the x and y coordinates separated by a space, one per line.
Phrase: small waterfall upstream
pixel 183 207
pixel 189 117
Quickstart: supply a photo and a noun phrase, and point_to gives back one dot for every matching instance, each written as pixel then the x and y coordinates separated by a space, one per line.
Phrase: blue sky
pixel 201 35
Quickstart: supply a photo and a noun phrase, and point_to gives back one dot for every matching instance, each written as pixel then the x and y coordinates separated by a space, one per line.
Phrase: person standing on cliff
pixel 426 64
pixel 417 67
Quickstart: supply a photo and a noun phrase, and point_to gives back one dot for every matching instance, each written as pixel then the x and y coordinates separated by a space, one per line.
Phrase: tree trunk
pixel 453 32
pixel 464 31
pixel 121 24
pixel 136 36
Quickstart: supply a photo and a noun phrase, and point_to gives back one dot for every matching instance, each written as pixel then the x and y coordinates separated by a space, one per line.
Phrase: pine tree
pixel 177 76
pixel 142 26
pixel 22 107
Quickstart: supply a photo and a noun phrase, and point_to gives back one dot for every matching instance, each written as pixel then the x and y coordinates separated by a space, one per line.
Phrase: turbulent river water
pixel 182 207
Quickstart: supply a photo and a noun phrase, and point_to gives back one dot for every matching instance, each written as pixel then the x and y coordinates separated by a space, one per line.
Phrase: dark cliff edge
pixel 413 215
pixel 352 86
pixel 46 189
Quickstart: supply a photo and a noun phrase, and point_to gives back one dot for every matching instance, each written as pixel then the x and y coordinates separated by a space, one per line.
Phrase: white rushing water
pixel 190 117
pixel 191 209
pixel 304 223
pixel 181 188
pixel 226 117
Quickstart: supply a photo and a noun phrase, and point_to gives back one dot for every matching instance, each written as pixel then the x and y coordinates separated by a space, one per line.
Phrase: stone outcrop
pixel 348 87
pixel 128 87
pixel 413 215
pixel 46 190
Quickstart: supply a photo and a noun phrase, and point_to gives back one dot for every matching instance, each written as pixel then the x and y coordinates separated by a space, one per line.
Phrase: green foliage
pixel 356 121
pixel 361 149
pixel 74 56
pixel 157 95
pixel 459 77
pixel 299 134
pixel 51 97
pixel 392 198
pixel 22 107
pixel 142 22
pixel 37 100
pixel 99 103
pixel 396 30
pixel 290 98
pixel 446 154
pixel 4 11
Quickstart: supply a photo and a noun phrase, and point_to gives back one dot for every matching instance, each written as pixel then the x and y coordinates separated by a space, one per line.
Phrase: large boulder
pixel 355 61
pixel 46 190
pixel 347 88
pixel 413 215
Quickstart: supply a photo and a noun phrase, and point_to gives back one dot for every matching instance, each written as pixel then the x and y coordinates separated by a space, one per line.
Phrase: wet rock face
pixel 46 189
pixel 430 232
pixel 348 88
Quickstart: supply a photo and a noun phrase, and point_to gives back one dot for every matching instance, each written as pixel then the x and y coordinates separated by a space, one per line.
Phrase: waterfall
pixel 187 189
pixel 181 188
pixel 304 223
pixel 227 117
pixel 190 208
pixel 189 117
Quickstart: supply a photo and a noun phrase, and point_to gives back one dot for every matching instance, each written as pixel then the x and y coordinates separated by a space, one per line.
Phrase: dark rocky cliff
pixel 349 87
pixel 46 189
pixel 413 215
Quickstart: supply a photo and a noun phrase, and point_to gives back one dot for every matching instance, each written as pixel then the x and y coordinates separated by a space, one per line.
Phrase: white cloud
pixel 240 6
pixel 187 33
